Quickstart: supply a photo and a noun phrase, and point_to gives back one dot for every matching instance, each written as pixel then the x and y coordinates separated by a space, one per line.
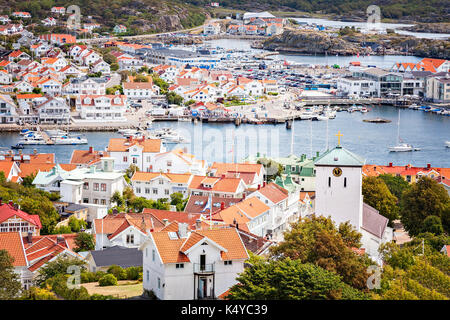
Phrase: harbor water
pixel 226 142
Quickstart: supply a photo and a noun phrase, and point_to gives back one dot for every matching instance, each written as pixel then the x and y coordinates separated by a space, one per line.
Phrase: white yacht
pixel 70 140
pixel 447 144
pixel 56 133
pixel 169 135
pixel 401 146
pixel 31 140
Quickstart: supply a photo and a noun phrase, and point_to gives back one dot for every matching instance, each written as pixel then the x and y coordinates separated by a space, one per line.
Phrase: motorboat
pixel 320 117
pixel 128 132
pixel 413 106
pixel 56 133
pixel 70 140
pixel 403 147
pixel 169 135
pixel 363 109
pixel 31 141
pixel 447 144
pixel 17 146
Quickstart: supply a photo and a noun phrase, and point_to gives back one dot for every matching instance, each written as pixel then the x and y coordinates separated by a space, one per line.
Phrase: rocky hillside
pixel 313 42
pixel 139 16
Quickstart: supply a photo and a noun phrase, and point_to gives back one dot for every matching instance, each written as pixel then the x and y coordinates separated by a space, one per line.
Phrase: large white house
pixel 53 111
pixel 139 152
pixel 93 185
pixel 206 262
pixel 178 161
pixel 157 185
pixel 140 90
pixel 105 108
pixel 87 86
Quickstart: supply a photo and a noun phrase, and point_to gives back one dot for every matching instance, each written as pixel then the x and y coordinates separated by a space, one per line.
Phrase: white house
pixel 157 185
pixel 140 90
pixel 8 110
pixel 92 185
pixel 206 262
pixel 211 28
pixel 87 86
pixel 177 161
pixel 139 152
pixel 104 108
pixel 217 187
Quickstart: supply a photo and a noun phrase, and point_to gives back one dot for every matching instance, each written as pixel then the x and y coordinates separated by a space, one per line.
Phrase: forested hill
pixel 417 10
pixel 138 16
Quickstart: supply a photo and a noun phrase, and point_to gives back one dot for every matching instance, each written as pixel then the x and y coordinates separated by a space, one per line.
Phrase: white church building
pixel 339 195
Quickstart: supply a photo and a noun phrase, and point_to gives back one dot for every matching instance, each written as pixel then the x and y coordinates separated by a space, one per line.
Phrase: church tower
pixel 339 186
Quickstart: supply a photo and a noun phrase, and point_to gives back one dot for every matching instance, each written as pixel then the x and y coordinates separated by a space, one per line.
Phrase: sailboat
pixel 401 145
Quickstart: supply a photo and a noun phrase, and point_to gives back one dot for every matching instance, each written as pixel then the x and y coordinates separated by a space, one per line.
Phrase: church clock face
pixel 337 172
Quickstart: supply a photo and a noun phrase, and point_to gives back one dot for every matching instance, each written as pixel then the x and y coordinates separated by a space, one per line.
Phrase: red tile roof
pixel 7 211
pixel 12 242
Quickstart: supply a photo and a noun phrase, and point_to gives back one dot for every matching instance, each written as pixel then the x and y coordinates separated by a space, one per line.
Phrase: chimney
pixel 259 186
pixel 59 239
pixel 30 237
pixel 428 165
pixel 198 224
pixel 35 151
pixel 165 221
pixel 390 164
pixel 183 230
pixel 1 201
pixel 16 206
pixel 11 203
pixel 264 184
pixel 91 149
pixel 243 196
pixel 222 205
pixel 223 176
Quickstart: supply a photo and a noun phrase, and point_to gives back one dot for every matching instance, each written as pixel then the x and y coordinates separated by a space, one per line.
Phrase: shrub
pixel 118 272
pixel 88 277
pixel 133 273
pixel 99 274
pixel 107 280
pixel 97 296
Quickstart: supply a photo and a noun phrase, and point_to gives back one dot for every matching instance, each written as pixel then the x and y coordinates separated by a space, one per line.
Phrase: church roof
pixel 373 222
pixel 340 157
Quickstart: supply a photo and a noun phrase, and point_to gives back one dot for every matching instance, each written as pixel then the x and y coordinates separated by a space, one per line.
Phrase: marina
pixel 425 129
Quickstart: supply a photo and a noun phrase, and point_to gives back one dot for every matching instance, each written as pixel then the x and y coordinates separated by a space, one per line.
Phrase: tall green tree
pixel 395 184
pixel 288 279
pixel 84 242
pixel 10 285
pixel 317 240
pixel 377 195
pixel 425 198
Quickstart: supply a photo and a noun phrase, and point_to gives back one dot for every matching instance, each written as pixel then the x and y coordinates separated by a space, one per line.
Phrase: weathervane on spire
pixel 339 135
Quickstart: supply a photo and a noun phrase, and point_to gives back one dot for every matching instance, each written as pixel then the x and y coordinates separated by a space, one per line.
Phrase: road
pixel 152 35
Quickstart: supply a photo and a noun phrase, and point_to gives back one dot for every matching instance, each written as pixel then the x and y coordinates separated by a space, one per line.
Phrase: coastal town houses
pixel 55 63
pixel 438 87
pixel 31 253
pixel 103 108
pixel 178 161
pixel 139 152
pixel 158 185
pixel 8 109
pixel 101 260
pixel 58 10
pixel 87 158
pixel 58 39
pixel 100 66
pixel 53 111
pixel 4 19
pixel 92 185
pixel 10 29
pixel 21 14
pixel 211 28
pixel 140 90
pixel 50 86
pixel 50 181
pixel 207 262
pixel 9 169
pixel 86 86
pixel 12 219
pixel 251 174
pixel 339 195
pixel 217 187
pixel 123 229
pixel 426 64
pixel 166 72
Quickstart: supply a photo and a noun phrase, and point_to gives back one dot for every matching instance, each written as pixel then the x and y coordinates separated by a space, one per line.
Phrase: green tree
pixel 10 285
pixel 58 267
pixel 396 184
pixel 76 224
pixel 177 199
pixel 425 198
pixel 288 279
pixel 433 224
pixel 84 242
pixel 377 195
pixel 317 240
pixel 107 280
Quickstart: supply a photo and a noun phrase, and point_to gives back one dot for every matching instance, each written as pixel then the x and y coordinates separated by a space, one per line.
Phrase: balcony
pixel 204 268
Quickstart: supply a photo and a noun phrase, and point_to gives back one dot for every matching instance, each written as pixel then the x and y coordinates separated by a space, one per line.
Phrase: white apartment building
pixel 87 86
pixel 53 111
pixel 105 108
pixel 140 90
